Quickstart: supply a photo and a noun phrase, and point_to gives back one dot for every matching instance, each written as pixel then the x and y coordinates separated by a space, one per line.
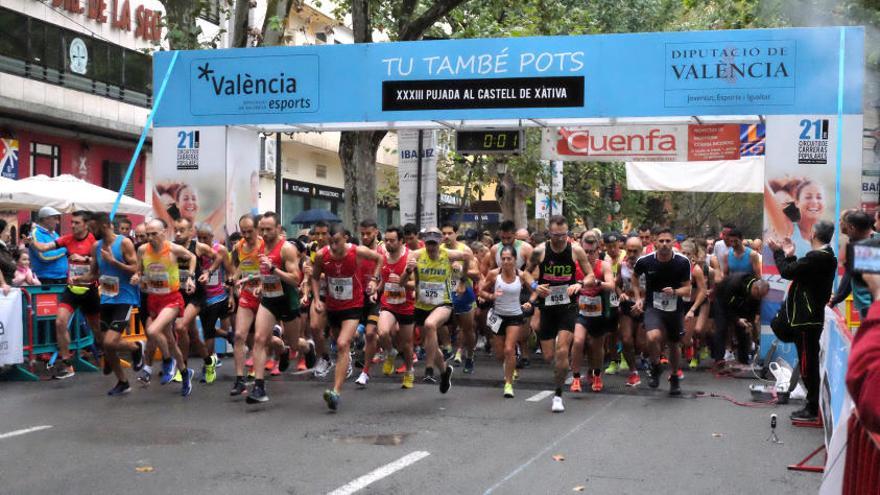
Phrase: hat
pixel 433 235
pixel 48 211
pixel 611 237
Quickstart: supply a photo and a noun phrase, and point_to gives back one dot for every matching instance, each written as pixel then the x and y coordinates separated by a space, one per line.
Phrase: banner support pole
pixel 839 151
pixel 147 125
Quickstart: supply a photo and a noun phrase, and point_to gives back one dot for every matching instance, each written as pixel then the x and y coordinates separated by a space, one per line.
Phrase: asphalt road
pixel 620 441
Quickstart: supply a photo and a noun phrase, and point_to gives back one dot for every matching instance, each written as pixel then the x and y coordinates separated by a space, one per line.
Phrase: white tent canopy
pixel 65 193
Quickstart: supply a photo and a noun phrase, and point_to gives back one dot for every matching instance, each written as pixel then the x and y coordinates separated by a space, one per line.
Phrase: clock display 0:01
pixel 483 142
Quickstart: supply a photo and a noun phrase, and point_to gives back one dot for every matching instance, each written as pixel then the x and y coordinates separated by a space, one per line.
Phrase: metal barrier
pixel 40 310
pixel 861 475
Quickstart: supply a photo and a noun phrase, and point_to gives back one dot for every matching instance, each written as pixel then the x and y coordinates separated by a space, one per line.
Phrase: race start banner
pixel 738 72
pixel 11 328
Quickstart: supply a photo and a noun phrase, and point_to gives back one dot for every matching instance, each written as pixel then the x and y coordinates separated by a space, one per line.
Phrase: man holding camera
pixel 812 277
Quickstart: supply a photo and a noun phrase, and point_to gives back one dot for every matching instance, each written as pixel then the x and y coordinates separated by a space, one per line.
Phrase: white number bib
pixel 158 282
pixel 252 277
pixel 109 285
pixel 558 296
pixel 590 306
pixel 614 299
pixel 432 293
pixel 342 288
pixel 214 279
pixel 665 302
pixel 394 294
pixel 493 321
pixel 272 286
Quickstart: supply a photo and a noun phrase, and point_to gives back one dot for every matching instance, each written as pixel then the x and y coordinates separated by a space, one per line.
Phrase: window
pixel 321 171
pixel 321 38
pixel 36 49
pixel 45 159
pixel 112 174
pixel 211 11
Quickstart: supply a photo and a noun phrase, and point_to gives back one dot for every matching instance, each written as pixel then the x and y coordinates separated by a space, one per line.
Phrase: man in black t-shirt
pixel 737 304
pixel 667 280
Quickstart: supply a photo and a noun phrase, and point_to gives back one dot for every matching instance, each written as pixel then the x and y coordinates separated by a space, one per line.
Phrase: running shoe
pixel 257 395
pixel 674 387
pixel 679 374
pixel 664 359
pixel 187 386
pixel 569 378
pixel 249 362
pixel 633 380
pixel 805 414
pixel 420 353
pixel 362 379
pixel 332 399
pixel 429 376
pixel 468 366
pixel 612 368
pixel 447 353
pixel 597 383
pixel 350 369
pixel 211 370
pixel 408 379
pixel 145 376
pixel 515 375
pixel 178 378
pixel 729 356
pixel 704 353
pixel 203 378
pixel 121 388
pixel 523 363
pixel 575 385
pixel 624 366
pixel 654 376
pixel 276 371
pixel 311 356
pixel 284 359
pixel 270 363
pixel 508 390
pixel 322 367
pixel 301 364
pixel 388 365
pixel 167 373
pixel 557 406
pixel 63 371
pixel 238 388
pixel 137 356
pixel 694 363
pixel 400 369
pixel 457 358
pixel 446 380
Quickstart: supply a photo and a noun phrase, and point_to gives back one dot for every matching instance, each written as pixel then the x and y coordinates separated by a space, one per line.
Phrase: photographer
pixel 803 312
pixel 859 228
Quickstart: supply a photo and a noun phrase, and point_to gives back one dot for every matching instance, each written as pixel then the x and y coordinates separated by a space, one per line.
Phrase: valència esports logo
pixel 237 85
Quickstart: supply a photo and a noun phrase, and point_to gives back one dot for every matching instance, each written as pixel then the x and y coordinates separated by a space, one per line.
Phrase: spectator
pixel 7 262
pixel 49 266
pixel 859 227
pixel 812 277
pixel 123 227
pixel 737 303
pixel 24 233
pixel 23 273
pixel 863 373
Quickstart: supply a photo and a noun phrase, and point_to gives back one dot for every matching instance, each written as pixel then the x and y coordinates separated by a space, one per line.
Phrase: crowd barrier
pixel 39 312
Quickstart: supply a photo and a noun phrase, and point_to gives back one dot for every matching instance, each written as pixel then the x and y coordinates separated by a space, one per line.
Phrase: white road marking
pixel 540 396
pixel 379 473
pixel 24 431
pixel 548 448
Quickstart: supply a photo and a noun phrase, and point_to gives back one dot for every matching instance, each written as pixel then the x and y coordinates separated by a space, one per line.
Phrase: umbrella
pixel 309 217
pixel 65 193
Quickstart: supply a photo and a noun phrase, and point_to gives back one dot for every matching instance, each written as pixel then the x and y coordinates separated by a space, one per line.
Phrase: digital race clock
pixel 489 142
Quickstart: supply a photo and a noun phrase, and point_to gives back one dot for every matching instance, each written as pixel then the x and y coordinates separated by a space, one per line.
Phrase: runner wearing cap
pixel 433 270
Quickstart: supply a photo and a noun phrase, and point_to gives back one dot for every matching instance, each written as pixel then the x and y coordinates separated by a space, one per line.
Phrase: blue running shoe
pixel 187 386
pixel 332 399
pixel 167 373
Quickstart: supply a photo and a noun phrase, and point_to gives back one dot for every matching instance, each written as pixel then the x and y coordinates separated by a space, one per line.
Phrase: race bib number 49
pixel 341 289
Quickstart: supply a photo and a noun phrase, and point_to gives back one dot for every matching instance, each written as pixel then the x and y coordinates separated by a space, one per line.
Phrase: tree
pixel 402 20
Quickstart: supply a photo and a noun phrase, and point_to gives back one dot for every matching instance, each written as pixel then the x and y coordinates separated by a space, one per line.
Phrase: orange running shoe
pixel 633 380
pixel 664 360
pixel 270 363
pixel 576 385
pixel 301 364
pixel 401 369
pixel 597 383
pixel 275 371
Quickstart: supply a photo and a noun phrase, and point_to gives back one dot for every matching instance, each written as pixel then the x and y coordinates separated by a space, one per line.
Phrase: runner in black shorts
pixel 592 322
pixel 630 319
pixel 667 280
pixel 557 288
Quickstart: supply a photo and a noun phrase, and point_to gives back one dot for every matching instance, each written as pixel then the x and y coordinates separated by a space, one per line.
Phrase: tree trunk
pixel 279 9
pixel 180 16
pixel 513 204
pixel 239 27
pixel 357 154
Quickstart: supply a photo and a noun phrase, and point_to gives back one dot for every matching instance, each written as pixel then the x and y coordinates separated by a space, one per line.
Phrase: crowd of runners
pixel 336 307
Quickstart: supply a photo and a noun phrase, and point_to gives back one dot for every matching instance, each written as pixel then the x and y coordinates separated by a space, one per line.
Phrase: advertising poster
pixel 9 158
pixel 192 179
pixel 799 191
pixel 408 154
pixel 11 330
pixel 548 202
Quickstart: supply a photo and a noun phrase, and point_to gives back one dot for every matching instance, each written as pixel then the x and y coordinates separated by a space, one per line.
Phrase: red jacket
pixel 863 374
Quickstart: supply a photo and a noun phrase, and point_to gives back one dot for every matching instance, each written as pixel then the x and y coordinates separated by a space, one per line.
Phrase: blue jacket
pixel 50 264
